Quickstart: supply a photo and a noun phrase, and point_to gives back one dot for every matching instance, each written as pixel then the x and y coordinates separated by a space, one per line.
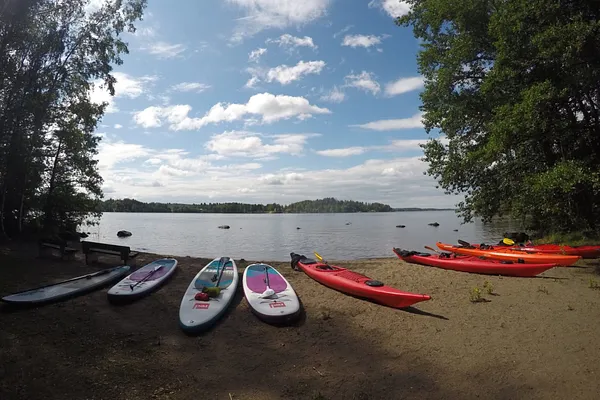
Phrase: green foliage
pixel 50 53
pixel 328 205
pixel 569 239
pixel 513 85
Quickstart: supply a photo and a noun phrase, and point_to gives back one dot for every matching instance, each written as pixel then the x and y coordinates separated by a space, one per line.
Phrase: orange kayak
pixel 508 254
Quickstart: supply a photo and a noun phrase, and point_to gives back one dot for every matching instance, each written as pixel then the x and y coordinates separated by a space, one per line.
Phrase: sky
pixel 261 101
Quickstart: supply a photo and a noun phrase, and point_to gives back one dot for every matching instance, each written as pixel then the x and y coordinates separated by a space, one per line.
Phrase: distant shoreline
pixel 278 213
pixel 328 205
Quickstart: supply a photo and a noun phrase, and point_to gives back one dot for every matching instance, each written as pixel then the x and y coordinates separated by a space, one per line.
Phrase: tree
pixel 51 52
pixel 513 85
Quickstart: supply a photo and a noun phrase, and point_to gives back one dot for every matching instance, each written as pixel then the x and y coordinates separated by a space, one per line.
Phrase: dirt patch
pixel 522 343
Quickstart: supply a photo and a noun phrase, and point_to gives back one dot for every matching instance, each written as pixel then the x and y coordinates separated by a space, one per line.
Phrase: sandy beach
pixel 535 338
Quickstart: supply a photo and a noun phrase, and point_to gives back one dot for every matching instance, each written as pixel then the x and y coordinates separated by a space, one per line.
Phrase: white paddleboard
pixel 67 288
pixel 269 295
pixel 144 280
pixel 197 315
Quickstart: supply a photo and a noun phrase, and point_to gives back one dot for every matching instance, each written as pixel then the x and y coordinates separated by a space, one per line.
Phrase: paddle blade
pixel 508 241
pixel 431 248
pixel 318 256
pixel 463 243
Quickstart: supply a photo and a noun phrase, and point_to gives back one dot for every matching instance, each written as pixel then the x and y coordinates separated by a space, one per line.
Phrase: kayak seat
pixel 372 282
pixel 324 267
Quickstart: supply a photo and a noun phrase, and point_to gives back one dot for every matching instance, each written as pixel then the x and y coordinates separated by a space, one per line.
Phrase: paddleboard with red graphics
pixel 208 295
pixel 269 295
pixel 143 281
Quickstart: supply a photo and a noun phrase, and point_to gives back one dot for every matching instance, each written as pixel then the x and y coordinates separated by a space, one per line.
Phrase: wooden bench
pixel 93 249
pixel 47 247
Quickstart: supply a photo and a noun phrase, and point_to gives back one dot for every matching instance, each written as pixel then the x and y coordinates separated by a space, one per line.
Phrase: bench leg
pixel 91 258
pixel 46 252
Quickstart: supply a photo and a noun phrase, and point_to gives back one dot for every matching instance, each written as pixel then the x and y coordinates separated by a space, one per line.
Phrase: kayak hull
pixel 473 264
pixel 582 251
pixel 507 254
pixel 355 284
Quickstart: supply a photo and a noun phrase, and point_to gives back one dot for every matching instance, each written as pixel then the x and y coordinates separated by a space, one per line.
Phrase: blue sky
pixel 267 101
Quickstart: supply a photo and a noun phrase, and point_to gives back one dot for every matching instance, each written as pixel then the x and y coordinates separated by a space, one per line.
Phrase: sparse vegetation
pixel 476 297
pixel 569 239
pixel 594 284
pixel 543 289
pixel 489 288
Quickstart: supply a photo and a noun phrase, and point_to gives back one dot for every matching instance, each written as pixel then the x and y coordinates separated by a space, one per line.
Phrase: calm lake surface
pixel 271 237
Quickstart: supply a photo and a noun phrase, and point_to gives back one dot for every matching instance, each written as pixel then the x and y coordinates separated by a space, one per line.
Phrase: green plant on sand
pixel 489 288
pixel 476 297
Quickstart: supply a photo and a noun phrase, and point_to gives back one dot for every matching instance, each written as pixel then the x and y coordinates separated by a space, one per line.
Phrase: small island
pixel 326 205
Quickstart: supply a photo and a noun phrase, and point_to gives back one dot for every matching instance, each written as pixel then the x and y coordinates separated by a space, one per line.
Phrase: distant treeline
pixel 327 205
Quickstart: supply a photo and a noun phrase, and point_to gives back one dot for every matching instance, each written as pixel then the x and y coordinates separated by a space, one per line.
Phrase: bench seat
pixel 93 249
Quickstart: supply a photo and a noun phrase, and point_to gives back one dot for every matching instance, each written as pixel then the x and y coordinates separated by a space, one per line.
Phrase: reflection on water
pixel 271 237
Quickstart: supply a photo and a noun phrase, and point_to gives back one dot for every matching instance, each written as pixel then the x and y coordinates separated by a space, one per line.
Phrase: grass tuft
pixel 476 297
pixel 489 288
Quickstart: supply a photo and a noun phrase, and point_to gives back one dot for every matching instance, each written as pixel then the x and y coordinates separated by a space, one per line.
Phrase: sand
pixel 535 338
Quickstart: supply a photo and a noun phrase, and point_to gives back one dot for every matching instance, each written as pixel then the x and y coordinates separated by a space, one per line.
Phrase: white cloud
pixel 165 50
pixel 255 55
pixel 363 81
pixel 191 87
pixel 344 30
pixel 403 85
pixel 394 124
pixel 345 152
pixel 365 41
pixel 291 42
pixel 250 144
pixel 395 146
pixel 398 181
pixel 145 31
pixel 281 179
pixel 285 75
pixel 153 161
pixel 335 95
pixel 125 86
pixel 266 14
pixel 251 84
pixel 118 126
pixel 112 153
pixel 394 8
pixel 270 108
pixel 167 170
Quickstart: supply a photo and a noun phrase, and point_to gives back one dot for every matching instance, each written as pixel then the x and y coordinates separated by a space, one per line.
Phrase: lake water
pixel 271 237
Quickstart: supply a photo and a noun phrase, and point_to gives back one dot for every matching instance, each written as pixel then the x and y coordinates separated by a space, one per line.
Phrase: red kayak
pixel 355 284
pixel 582 251
pixel 472 264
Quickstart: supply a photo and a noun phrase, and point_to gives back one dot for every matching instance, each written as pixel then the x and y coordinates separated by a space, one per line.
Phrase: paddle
pixel 223 269
pixel 320 258
pixel 432 249
pixel 146 277
pixel 268 291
